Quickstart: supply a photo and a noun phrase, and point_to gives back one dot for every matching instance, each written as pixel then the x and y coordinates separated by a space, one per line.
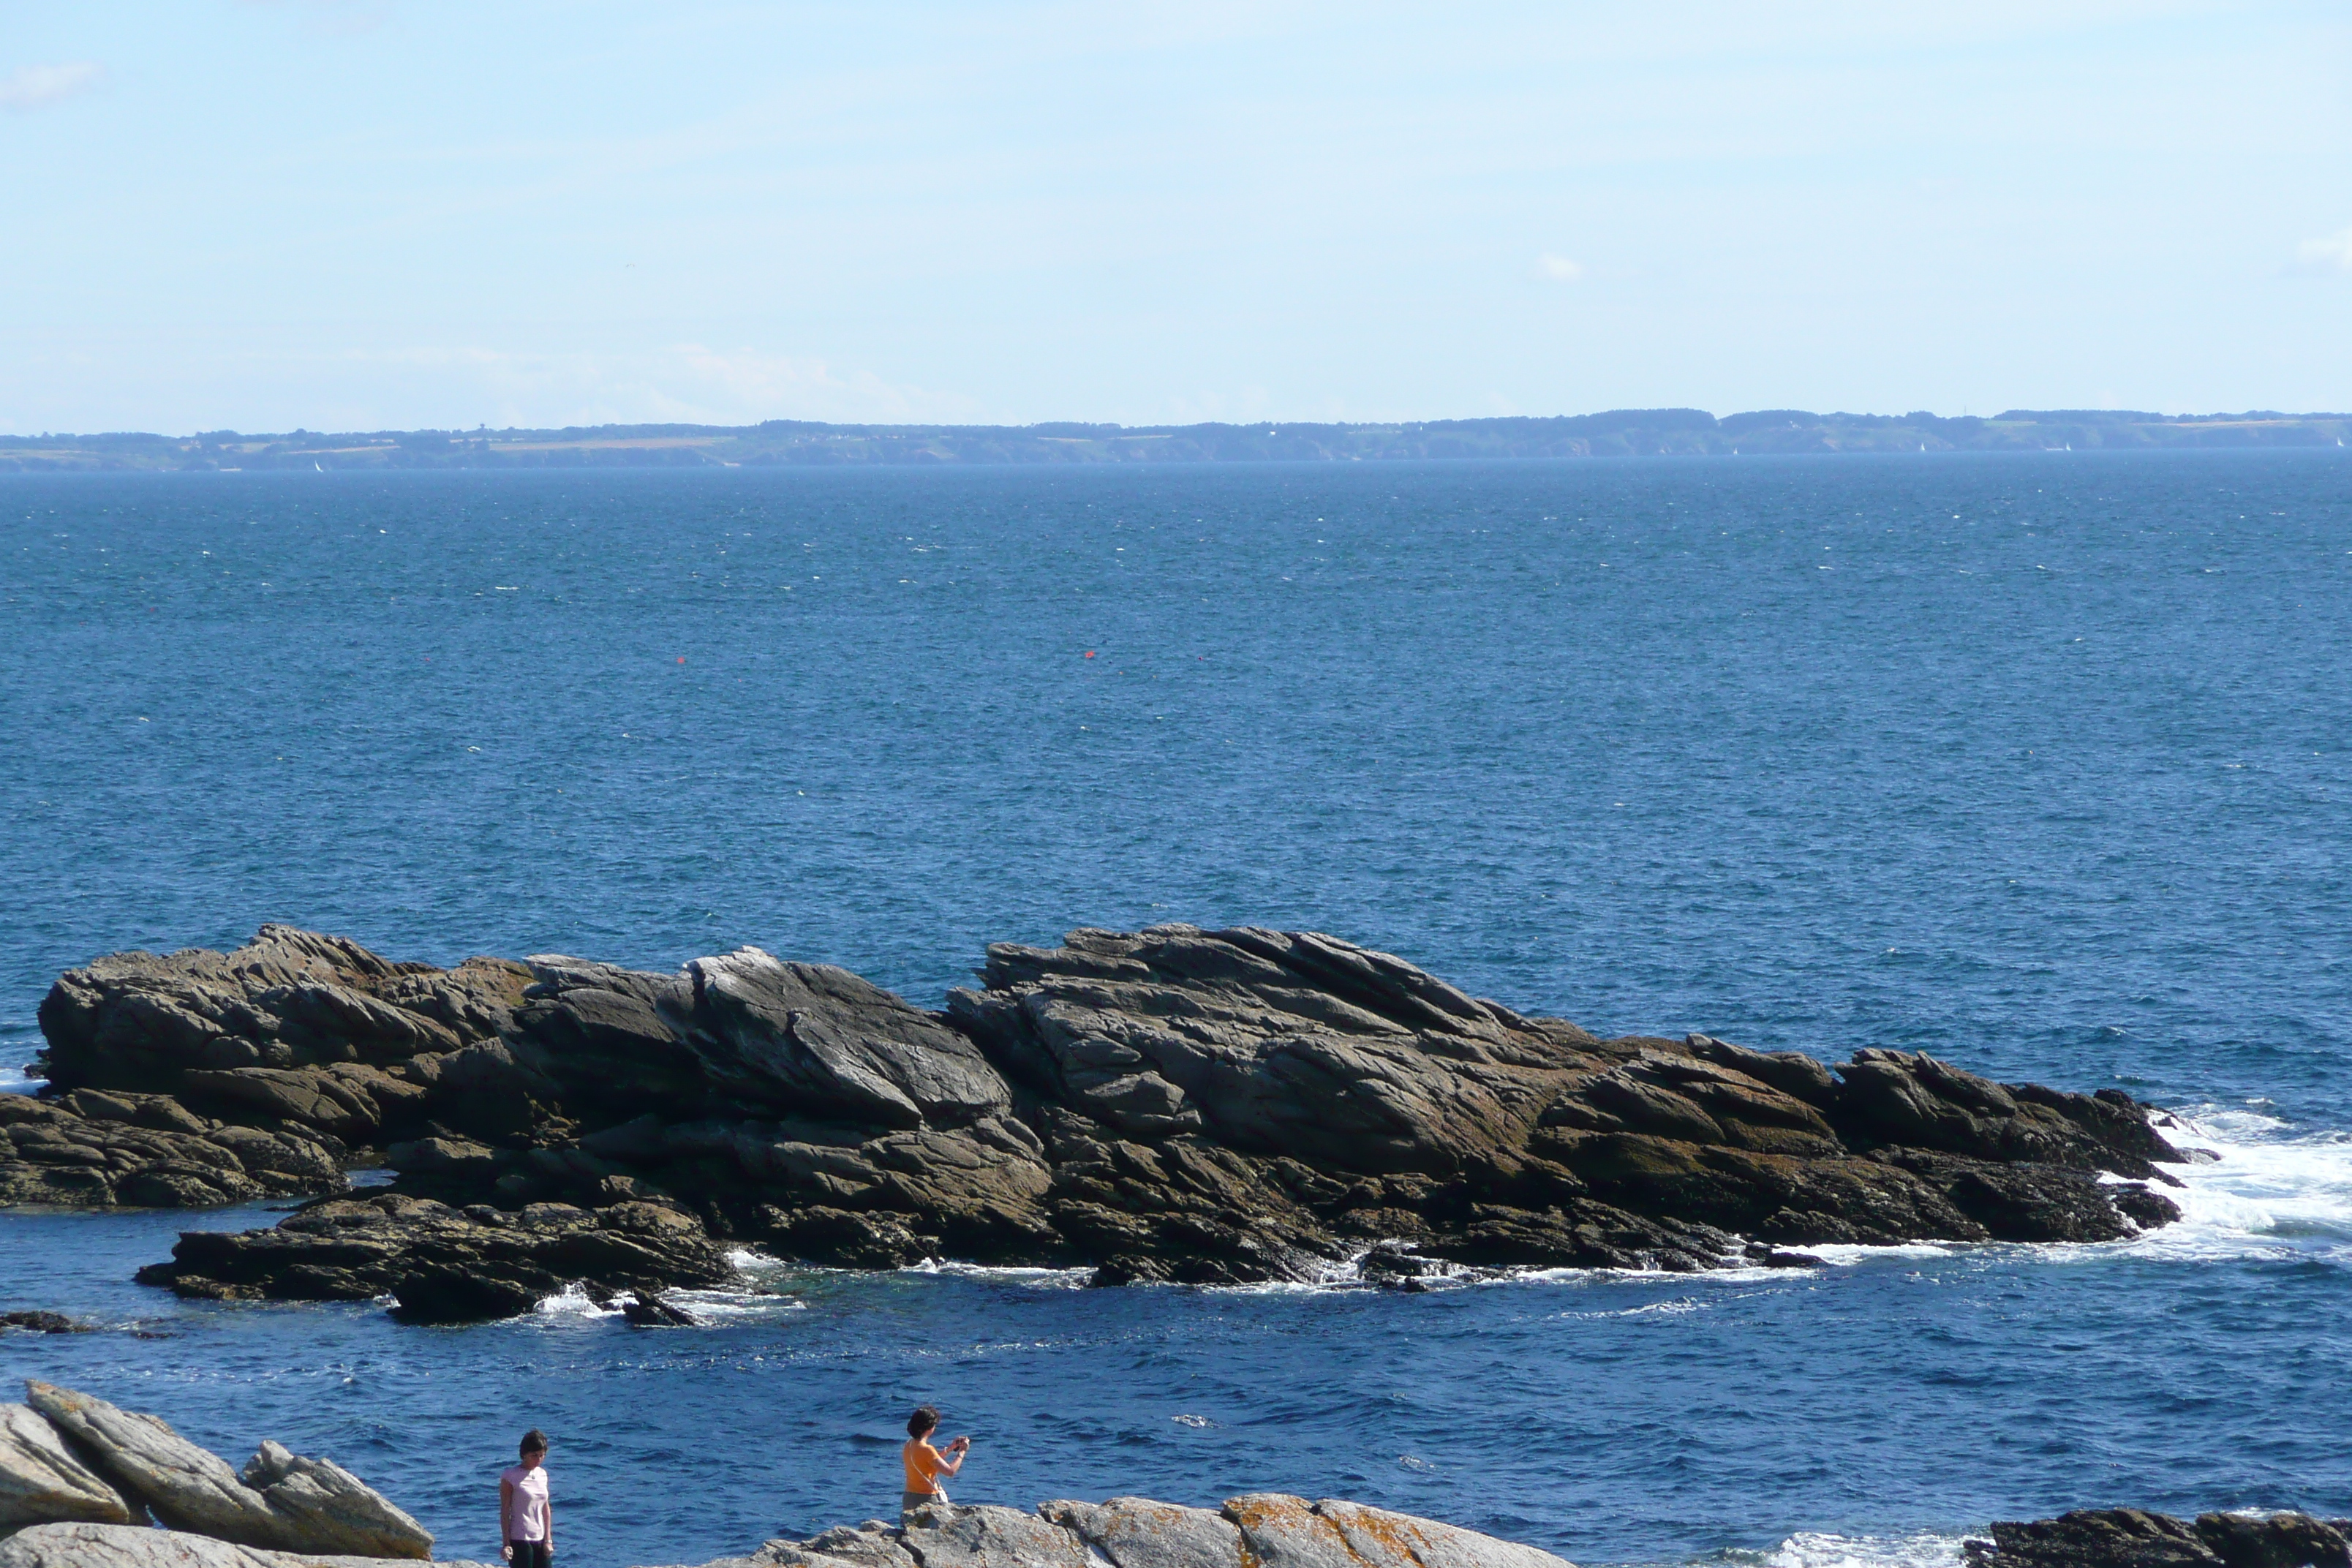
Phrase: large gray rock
pixel 186 1487
pixel 120 1546
pixel 990 1537
pixel 1382 1539
pixel 41 1481
pixel 284 1503
pixel 1138 1533
pixel 1277 1041
pixel 325 1508
pixel 817 1039
pixel 1263 1529
pixel 872 1544
pixel 1284 1532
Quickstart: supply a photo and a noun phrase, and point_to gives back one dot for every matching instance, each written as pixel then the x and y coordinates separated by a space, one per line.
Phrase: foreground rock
pixel 282 1501
pixel 2129 1538
pixel 42 1481
pixel 1263 1530
pixel 117 1546
pixel 1170 1105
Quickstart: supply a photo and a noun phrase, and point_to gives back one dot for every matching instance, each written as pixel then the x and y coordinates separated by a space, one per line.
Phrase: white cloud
pixel 33 86
pixel 1558 268
pixel 2333 254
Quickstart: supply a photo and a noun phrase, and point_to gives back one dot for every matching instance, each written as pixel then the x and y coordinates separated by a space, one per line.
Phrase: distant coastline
pixel 1621 433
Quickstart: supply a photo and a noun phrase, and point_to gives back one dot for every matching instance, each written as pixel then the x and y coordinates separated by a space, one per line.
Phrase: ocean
pixel 2034 761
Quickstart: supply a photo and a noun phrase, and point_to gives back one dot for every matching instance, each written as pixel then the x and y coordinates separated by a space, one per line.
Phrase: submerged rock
pixel 646 1309
pixel 1173 1105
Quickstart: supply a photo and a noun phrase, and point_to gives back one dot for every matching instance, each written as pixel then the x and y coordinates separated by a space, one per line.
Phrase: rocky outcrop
pixel 119 1546
pixel 442 1265
pixel 1170 1105
pixel 1263 1530
pixel 2129 1538
pixel 281 1502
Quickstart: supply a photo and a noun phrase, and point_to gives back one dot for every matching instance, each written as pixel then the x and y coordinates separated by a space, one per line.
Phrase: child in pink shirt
pixel 526 1518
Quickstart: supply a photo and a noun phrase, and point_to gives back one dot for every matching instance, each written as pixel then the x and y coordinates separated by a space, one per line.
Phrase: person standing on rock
pixel 925 1464
pixel 526 1518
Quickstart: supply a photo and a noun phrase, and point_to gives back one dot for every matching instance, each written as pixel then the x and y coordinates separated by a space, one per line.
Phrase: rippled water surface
pixel 2037 763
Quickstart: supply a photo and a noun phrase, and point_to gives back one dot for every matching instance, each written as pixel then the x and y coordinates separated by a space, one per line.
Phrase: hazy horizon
pixel 330 215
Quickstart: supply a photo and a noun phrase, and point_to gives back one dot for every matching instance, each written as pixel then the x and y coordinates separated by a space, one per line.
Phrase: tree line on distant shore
pixel 1633 432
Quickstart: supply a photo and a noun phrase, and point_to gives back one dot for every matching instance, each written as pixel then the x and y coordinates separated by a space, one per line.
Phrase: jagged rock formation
pixel 1174 1104
pixel 1263 1529
pixel 2129 1538
pixel 70 1459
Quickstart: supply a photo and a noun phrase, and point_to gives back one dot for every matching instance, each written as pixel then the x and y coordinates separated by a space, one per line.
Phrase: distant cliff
pixel 1621 433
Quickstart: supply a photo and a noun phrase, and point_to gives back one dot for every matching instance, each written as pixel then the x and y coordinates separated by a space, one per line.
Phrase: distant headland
pixel 1620 432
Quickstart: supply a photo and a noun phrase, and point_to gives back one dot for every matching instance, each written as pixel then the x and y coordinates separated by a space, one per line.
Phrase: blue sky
pixel 360 214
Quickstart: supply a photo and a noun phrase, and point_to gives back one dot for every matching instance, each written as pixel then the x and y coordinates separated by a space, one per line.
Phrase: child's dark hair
pixel 925 1419
pixel 534 1441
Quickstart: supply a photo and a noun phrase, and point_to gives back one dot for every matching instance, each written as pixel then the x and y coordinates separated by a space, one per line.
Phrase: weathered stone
pixel 124 1546
pixel 1283 1532
pixel 1138 1533
pixel 989 1537
pixel 1381 1538
pixel 809 1037
pixel 323 1507
pixel 283 1501
pixel 186 1487
pixel 872 1544
pixel 42 1482
pixel 137 1021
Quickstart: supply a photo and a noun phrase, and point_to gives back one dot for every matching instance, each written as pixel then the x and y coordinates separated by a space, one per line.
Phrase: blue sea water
pixel 2038 763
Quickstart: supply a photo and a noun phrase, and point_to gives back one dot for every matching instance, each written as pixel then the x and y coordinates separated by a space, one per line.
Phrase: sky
pixel 353 214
